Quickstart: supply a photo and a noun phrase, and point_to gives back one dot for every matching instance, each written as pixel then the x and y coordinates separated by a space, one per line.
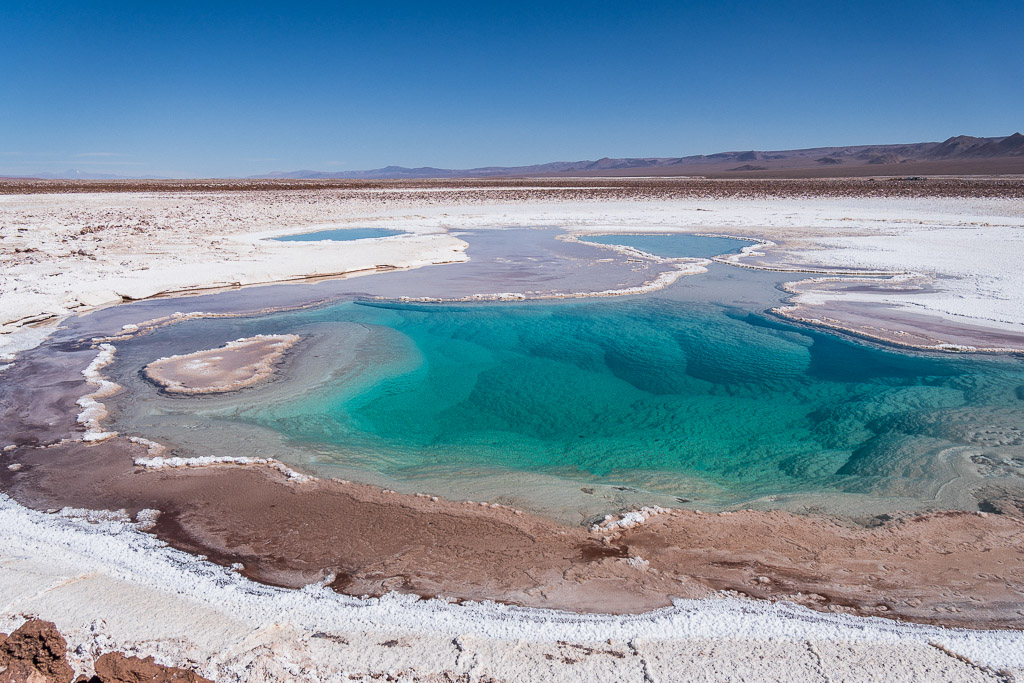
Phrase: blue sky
pixel 224 89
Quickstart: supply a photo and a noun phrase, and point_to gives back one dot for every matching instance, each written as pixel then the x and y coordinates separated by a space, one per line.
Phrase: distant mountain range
pixel 960 154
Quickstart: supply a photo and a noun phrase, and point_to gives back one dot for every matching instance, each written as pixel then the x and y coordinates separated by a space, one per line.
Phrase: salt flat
pixel 952 260
pixel 69 252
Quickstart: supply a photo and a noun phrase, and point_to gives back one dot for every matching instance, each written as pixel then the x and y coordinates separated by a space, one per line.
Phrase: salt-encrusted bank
pixel 103 582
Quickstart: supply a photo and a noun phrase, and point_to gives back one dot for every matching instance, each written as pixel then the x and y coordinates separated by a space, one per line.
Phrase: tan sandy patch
pixel 236 365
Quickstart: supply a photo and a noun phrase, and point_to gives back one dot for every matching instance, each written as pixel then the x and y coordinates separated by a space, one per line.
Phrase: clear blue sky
pixel 221 88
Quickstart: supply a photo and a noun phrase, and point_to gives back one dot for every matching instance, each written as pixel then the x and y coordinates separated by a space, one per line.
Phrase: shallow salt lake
pixel 691 395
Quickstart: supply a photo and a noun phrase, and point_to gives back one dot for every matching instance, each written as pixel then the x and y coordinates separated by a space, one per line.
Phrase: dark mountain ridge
pixel 874 158
pixel 958 155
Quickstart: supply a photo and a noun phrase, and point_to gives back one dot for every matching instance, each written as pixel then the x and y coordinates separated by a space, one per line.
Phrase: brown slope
pixel 800 168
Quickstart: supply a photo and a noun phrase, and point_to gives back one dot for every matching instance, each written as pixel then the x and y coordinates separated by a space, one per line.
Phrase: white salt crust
pixel 923 236
pixel 628 519
pixel 199 362
pixel 663 280
pixel 93 411
pixel 153 449
pixel 108 551
pixel 161 463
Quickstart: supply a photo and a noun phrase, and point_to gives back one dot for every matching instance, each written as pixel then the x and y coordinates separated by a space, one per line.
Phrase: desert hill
pixel 959 155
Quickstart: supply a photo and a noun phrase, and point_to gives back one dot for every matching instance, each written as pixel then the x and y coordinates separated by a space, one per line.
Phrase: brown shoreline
pixel 949 568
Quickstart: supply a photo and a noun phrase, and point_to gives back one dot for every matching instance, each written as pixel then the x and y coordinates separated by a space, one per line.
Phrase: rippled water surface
pixel 640 391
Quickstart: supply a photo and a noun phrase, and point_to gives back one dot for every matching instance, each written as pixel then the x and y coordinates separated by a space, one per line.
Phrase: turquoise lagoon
pixel 690 395
pixel 713 404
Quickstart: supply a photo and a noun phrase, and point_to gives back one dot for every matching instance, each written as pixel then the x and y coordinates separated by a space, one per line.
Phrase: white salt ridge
pixel 245 341
pixel 683 266
pixel 663 280
pixel 636 252
pixel 161 463
pixel 628 519
pixel 203 364
pixel 131 329
pixel 94 411
pixel 116 558
pixel 94 516
pixel 749 250
pixel 623 249
pixel 145 519
pixel 153 448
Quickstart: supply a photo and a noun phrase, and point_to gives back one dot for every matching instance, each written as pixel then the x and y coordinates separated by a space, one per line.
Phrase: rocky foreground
pixel 37 653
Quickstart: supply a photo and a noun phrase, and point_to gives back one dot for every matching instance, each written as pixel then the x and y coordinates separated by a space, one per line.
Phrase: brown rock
pixel 35 653
pixel 114 667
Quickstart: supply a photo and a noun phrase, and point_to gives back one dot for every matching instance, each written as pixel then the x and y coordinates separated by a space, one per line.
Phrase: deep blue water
pixel 645 392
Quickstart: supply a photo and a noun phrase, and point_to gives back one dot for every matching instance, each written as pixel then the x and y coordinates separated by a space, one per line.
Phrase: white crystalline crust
pixel 203 362
pixel 153 449
pixel 161 463
pixel 662 280
pixel 93 411
pixel 628 519
pixel 146 518
pixel 131 246
pixel 72 567
pixel 94 516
